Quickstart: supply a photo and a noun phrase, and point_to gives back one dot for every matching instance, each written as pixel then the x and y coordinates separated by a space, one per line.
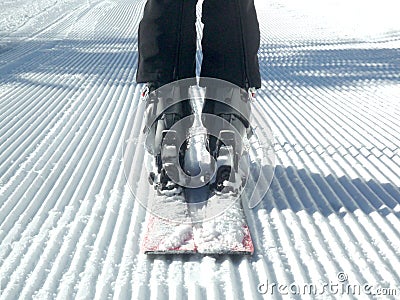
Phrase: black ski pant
pixel 167 41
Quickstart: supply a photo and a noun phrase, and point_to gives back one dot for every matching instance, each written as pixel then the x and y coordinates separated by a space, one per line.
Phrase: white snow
pixel 21 19
pixel 177 238
pixel 71 223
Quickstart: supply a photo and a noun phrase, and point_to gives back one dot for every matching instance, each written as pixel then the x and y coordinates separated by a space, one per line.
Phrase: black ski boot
pixel 232 106
pixel 165 105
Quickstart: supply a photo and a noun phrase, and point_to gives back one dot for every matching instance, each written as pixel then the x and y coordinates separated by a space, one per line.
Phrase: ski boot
pixel 227 146
pixel 165 106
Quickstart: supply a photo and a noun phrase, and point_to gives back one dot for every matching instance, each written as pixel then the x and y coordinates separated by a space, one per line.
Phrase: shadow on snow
pixel 328 65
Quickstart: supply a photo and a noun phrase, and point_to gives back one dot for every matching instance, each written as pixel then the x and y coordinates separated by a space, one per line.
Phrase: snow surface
pixel 69 224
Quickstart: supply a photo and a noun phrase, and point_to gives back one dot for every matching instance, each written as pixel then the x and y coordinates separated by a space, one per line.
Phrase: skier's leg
pixel 230 43
pixel 167 48
pixel 167 41
pixel 231 39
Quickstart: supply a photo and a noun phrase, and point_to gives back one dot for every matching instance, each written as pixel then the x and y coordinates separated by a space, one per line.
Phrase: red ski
pixel 226 233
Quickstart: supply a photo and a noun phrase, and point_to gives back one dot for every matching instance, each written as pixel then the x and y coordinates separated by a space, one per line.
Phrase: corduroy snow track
pixel 70 226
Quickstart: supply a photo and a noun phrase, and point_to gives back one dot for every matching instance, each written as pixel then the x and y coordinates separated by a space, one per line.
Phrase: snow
pixel 21 19
pixel 71 221
pixel 178 237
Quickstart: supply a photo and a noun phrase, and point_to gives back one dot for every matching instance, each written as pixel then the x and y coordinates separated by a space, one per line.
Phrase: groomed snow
pixel 70 227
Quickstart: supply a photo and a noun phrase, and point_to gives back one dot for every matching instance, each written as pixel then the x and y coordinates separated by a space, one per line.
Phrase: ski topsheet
pixel 223 229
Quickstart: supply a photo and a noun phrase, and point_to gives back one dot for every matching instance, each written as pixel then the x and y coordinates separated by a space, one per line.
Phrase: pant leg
pixel 231 39
pixel 167 41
